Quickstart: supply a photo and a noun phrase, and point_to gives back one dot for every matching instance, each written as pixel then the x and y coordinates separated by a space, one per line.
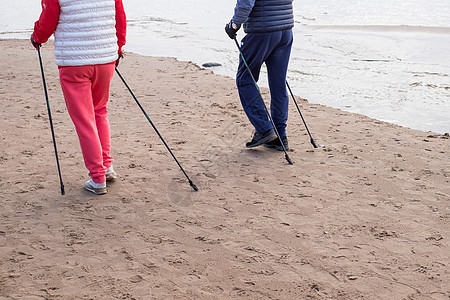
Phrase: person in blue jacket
pixel 268 27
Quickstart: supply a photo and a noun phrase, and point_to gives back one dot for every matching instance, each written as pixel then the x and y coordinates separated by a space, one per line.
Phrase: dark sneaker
pixel 277 145
pixel 96 188
pixel 261 138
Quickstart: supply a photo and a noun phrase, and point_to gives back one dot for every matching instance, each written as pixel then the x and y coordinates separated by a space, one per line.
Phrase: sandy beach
pixel 364 217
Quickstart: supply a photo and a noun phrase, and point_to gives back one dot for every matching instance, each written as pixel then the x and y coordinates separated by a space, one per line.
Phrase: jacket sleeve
pixel 242 11
pixel 48 20
pixel 121 24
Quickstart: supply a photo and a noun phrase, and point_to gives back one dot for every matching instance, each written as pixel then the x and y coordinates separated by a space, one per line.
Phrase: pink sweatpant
pixel 86 92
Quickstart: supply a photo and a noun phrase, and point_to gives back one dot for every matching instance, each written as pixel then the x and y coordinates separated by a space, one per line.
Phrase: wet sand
pixel 365 217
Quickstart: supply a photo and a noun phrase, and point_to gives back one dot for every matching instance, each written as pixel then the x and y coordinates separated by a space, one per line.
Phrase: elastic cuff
pixel 99 179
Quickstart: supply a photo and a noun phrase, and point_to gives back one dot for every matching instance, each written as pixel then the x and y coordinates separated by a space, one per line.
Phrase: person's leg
pixel 101 81
pixel 277 64
pixel 77 89
pixel 255 48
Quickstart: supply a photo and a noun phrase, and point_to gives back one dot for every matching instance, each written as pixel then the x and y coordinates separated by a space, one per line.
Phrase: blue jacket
pixel 264 15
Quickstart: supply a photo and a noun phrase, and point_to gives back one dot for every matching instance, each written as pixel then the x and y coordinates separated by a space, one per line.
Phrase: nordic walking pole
pixel 154 127
pixel 264 104
pixel 50 119
pixel 298 108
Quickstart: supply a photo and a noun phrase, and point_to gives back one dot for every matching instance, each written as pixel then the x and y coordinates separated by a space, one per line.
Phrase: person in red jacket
pixel 89 36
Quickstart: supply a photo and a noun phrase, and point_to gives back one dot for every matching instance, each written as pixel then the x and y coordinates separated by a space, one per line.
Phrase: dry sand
pixel 366 217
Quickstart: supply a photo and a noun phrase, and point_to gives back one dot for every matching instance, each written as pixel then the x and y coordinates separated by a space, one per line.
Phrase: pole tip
pixel 193 186
pixel 62 190
pixel 314 143
pixel 289 160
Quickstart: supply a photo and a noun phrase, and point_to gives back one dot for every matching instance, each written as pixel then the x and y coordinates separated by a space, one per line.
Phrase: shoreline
pixel 366 217
pixel 355 81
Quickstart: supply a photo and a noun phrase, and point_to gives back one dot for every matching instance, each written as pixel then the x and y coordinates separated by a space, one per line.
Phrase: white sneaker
pixel 110 174
pixel 96 188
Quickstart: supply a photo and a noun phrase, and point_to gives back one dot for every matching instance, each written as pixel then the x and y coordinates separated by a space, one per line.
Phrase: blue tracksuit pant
pixel 273 49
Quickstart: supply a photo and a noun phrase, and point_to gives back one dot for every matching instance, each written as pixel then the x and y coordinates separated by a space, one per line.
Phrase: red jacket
pixel 46 25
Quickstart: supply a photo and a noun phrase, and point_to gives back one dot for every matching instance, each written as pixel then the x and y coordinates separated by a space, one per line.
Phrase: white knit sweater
pixel 86 33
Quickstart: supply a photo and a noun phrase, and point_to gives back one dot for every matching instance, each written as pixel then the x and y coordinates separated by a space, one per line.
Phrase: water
pixel 386 59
